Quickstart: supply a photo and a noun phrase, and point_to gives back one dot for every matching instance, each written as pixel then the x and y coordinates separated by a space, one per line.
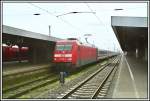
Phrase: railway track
pixel 21 89
pixel 17 77
pixel 25 87
pixel 25 83
pixel 23 73
pixel 22 82
pixel 95 86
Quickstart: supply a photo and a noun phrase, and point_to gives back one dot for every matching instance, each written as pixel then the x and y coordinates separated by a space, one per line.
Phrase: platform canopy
pixel 41 47
pixel 131 32
pixel 23 33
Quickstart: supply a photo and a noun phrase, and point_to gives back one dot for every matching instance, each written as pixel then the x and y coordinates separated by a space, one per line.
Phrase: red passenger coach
pixel 70 54
pixel 14 53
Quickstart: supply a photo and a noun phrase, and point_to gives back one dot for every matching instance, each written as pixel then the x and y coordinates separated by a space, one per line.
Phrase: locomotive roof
pixel 75 41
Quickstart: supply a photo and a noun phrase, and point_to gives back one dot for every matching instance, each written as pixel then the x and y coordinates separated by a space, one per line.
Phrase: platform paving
pixel 131 81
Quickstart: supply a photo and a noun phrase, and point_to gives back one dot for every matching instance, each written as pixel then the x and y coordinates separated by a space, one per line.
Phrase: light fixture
pixel 118 9
pixel 37 14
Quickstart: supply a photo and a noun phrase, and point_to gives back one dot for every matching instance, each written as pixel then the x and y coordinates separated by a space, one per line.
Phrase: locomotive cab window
pixel 59 47
pixel 63 47
pixel 67 47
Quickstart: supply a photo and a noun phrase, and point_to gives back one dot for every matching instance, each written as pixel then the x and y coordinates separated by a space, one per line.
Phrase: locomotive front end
pixel 63 56
pixel 63 53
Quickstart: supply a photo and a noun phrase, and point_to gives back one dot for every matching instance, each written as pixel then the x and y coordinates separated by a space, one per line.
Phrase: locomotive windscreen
pixel 63 47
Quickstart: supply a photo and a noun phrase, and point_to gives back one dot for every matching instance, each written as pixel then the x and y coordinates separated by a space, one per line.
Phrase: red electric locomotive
pixel 70 54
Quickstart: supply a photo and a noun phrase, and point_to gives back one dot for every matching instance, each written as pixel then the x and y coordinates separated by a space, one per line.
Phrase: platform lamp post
pixel 108 51
pixel 49 30
pixel 93 43
pixel 114 47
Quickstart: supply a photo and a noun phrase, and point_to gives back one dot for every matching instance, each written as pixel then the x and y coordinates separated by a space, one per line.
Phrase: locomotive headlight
pixel 57 55
pixel 68 55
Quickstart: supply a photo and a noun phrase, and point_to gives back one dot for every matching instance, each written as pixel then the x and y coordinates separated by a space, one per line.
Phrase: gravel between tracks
pixel 53 94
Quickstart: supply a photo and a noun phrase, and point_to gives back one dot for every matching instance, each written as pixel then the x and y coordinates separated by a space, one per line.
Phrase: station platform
pixel 132 79
pixel 16 67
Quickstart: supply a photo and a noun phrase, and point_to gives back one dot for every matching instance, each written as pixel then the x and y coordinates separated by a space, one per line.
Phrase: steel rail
pixel 103 82
pixel 85 81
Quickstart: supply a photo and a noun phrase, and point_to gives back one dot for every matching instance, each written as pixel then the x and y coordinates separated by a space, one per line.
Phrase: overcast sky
pixel 98 24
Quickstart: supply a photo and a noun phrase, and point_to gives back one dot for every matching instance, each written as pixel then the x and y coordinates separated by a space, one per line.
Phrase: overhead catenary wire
pixel 68 23
pixel 99 20
pixel 73 13
pixel 94 14
pixel 40 8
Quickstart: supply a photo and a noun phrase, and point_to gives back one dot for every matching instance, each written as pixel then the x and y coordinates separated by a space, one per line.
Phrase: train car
pixel 104 54
pixel 14 53
pixel 24 53
pixel 71 54
pixel 10 53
